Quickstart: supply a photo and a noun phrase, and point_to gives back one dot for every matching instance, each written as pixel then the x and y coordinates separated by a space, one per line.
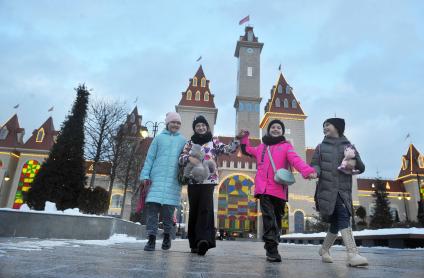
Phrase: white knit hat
pixel 172 117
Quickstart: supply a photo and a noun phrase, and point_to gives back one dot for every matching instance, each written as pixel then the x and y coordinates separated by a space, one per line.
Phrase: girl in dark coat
pixel 201 231
pixel 334 190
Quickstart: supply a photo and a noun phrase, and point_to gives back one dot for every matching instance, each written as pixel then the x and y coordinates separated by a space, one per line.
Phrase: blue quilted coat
pixel 161 167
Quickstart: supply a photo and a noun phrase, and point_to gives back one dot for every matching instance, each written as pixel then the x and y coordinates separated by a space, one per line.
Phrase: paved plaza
pixel 27 258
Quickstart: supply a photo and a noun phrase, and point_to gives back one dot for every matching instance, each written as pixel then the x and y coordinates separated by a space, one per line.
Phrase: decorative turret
pixel 11 134
pixel 196 100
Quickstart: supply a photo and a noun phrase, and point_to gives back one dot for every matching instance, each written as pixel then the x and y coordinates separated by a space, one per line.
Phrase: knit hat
pixel 172 117
pixel 276 122
pixel 338 123
pixel 200 119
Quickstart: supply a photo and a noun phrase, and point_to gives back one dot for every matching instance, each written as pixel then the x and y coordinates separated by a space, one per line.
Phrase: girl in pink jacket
pixel 273 196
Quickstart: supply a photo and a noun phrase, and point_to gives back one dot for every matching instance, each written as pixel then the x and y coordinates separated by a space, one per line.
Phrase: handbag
pixel 281 176
pixel 144 190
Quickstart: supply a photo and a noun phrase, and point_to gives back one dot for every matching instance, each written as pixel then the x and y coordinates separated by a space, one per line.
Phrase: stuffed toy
pixel 349 162
pixel 202 170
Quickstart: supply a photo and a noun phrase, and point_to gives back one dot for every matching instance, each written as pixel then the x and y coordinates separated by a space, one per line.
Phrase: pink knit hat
pixel 172 117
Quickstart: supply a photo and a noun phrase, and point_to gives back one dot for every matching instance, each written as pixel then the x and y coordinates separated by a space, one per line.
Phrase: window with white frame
pixel 280 89
pixel 188 95
pixel 249 71
pixel 3 133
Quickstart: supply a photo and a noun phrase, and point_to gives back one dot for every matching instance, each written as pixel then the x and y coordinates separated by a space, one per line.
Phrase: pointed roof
pixel 412 164
pixel 132 126
pixel 14 133
pixel 42 138
pixel 282 102
pixel 198 86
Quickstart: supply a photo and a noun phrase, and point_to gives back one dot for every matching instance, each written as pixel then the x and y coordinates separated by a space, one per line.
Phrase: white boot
pixel 324 251
pixel 353 257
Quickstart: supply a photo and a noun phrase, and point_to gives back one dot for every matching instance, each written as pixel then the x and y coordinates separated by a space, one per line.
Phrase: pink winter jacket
pixel 282 154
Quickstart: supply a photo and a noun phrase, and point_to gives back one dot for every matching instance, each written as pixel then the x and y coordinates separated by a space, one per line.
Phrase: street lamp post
pixel 420 214
pixel 155 126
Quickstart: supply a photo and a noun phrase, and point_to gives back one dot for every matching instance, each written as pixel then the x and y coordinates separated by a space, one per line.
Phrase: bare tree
pixel 104 118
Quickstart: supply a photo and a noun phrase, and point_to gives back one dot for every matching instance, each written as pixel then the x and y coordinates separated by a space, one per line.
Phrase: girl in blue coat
pixel 160 173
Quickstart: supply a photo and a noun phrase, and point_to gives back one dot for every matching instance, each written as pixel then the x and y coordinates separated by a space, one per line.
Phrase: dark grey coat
pixel 327 157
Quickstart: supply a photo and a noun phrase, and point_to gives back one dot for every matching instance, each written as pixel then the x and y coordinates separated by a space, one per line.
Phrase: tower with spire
pixel 411 174
pixel 248 100
pixel 196 100
pixel 284 106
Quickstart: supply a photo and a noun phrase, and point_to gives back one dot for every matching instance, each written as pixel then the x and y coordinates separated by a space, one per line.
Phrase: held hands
pixel 242 134
pixel 146 182
pixel 312 176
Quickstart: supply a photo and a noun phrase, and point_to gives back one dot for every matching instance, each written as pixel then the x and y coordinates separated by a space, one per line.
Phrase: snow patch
pixel 50 208
pixel 38 245
pixel 379 232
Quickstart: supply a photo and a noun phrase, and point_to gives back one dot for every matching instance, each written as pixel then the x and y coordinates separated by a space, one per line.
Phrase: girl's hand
pixel 312 176
pixel 146 182
pixel 242 134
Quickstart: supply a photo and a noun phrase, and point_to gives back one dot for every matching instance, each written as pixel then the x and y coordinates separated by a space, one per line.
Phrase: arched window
pixel 288 89
pixel 188 95
pixel 249 107
pixel 203 82
pixel 197 96
pixel 286 103
pixel 405 163
pixel 241 106
pixel 277 102
pixel 294 103
pixel 40 135
pixel 206 96
pixel 195 81
pixel 3 133
pixel 299 224
pixel 132 118
pixel 280 89
pixel 421 161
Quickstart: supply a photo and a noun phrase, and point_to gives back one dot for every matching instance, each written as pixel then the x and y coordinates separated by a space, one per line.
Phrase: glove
pixel 146 182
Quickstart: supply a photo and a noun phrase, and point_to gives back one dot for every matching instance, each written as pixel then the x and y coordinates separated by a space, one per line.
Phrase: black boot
pixel 202 247
pixel 150 245
pixel 272 254
pixel 166 243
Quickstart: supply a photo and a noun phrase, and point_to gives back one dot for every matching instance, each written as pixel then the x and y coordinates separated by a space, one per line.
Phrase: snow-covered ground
pixel 37 245
pixel 380 232
pixel 50 208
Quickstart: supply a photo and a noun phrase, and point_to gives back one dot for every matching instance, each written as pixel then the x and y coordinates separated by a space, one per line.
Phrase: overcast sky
pixel 360 60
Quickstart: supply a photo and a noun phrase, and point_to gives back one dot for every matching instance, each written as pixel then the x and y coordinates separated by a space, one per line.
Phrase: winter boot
pixel 166 244
pixel 150 245
pixel 202 247
pixel 324 251
pixel 353 257
pixel 272 254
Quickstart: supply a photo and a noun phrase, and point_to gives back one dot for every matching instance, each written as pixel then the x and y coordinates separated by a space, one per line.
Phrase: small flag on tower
pixel 279 67
pixel 16 106
pixel 408 136
pixel 198 59
pixel 135 101
pixel 244 20
pixel 51 109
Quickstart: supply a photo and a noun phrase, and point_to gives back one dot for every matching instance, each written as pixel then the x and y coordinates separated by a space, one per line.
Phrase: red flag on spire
pixel 244 20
